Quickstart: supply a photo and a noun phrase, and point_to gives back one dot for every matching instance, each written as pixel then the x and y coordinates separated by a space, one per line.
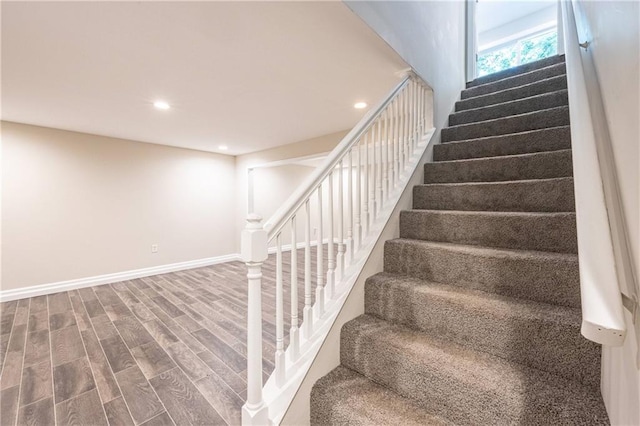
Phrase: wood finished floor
pixel 162 350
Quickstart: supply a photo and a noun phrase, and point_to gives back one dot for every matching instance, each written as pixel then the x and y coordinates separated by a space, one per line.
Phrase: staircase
pixel 476 317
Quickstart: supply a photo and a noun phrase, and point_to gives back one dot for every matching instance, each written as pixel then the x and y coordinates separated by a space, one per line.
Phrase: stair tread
pixel 544 231
pixel 515 76
pixel 502 182
pixel 511 117
pixel 503 157
pixel 514 101
pixel 535 120
pixel 491 213
pixel 427 368
pixel 516 88
pixel 355 399
pixel 514 107
pixel 517 70
pixel 540 140
pixel 508 135
pixel 533 165
pixel 488 251
pixel 506 271
pixel 504 306
pixel 515 80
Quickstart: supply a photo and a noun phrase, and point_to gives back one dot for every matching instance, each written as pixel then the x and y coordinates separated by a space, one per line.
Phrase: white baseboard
pixel 39 290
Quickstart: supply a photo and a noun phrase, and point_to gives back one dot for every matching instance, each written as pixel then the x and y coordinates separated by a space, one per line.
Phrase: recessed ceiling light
pixel 223 147
pixel 161 105
pixel 360 105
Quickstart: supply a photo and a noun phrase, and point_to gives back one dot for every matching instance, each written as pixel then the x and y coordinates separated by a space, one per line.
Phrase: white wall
pixel 274 185
pixel 429 36
pixel 77 205
pixel 612 27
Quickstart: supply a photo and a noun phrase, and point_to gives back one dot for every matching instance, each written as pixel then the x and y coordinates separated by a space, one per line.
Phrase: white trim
pixel 472 41
pixel 39 290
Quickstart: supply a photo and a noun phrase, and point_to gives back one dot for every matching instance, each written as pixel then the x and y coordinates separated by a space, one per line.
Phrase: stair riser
pixel 560 349
pixel 546 279
pixel 552 84
pixel 522 106
pixel 521 143
pixel 459 395
pixel 554 233
pixel 526 196
pixel 515 81
pixel 520 123
pixel 544 165
pixel 510 72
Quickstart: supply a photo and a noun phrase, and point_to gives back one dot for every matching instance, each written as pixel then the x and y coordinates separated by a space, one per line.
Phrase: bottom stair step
pixel 346 397
pixel 463 385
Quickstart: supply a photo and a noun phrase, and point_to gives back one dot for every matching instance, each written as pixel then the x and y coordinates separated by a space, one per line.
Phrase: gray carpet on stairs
pixel 547 85
pixel 552 139
pixel 476 317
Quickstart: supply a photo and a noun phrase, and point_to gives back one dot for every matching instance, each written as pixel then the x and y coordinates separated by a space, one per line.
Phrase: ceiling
pixel 494 13
pixel 247 75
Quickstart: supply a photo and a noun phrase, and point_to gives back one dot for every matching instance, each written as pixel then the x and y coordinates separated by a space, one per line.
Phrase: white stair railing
pixel 337 210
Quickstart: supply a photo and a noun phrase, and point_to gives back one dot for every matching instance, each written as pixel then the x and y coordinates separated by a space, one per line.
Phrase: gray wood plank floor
pixel 167 349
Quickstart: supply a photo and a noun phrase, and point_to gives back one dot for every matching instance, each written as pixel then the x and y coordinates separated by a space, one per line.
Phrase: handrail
pixel 602 307
pixel 351 196
pixel 306 189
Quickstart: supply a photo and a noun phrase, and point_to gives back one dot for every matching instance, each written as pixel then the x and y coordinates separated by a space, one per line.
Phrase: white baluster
pixel 294 333
pixel 280 359
pixel 384 145
pixel 307 312
pixel 358 202
pixel 372 178
pixel 378 173
pixel 341 246
pixel 375 206
pixel 349 251
pixel 396 133
pixel 412 122
pixel 420 107
pixel 365 188
pixel 415 117
pixel 331 263
pixel 407 133
pixel 319 305
pixel 401 131
pixel 253 250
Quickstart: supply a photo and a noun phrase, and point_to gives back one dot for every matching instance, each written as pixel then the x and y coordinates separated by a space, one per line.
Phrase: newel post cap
pixel 253 241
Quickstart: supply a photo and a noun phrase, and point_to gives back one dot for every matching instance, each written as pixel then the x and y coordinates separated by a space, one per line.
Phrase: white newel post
pixel 253 250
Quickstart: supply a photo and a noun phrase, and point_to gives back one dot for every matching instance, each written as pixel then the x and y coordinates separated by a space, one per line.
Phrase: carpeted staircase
pixel 476 317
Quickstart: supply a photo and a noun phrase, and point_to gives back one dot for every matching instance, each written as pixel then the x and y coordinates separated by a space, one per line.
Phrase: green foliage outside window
pixel 520 52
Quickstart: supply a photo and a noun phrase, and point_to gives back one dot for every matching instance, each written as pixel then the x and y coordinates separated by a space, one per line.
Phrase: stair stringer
pixel 327 355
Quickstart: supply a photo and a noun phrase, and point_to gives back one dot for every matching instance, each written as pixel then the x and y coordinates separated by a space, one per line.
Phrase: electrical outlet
pixel 154 248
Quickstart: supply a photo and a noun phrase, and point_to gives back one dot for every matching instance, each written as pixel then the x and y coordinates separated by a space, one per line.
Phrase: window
pixel 517 52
